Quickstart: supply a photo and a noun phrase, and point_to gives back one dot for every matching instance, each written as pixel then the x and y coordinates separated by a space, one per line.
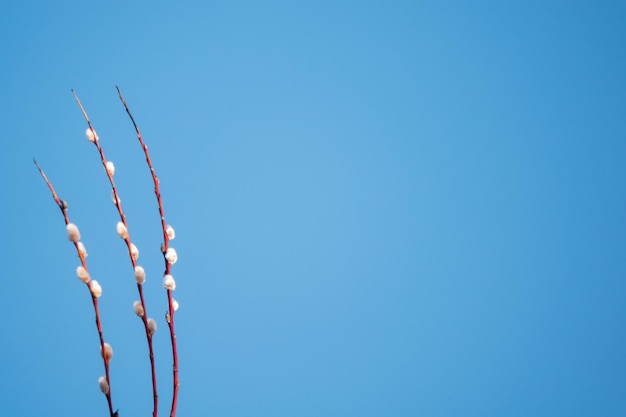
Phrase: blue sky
pixel 382 208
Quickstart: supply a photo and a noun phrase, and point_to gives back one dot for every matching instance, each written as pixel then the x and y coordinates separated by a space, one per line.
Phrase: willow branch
pixel 94 298
pixel 132 253
pixel 164 249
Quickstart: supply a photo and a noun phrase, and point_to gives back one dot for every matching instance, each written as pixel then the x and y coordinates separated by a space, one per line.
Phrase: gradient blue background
pixel 404 208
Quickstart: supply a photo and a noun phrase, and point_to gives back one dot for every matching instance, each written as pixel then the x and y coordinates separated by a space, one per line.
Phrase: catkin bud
pixel 91 134
pixel 152 326
pixel 104 385
pixel 82 249
pixel 122 231
pixel 171 234
pixel 110 168
pixel 114 199
pixel 72 232
pixel 96 289
pixel 171 256
pixel 138 308
pixel 140 275
pixel 168 282
pixel 108 352
pixel 174 304
pixel 83 275
pixel 134 252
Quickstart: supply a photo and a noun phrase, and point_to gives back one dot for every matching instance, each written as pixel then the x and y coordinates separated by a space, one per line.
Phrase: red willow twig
pixel 168 262
pixel 131 252
pixel 92 289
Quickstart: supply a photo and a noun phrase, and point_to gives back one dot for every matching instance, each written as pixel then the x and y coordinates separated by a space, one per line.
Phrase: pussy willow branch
pixel 164 247
pixel 127 240
pixel 63 206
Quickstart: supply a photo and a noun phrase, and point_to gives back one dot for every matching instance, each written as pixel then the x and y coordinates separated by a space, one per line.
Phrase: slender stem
pixel 63 206
pixel 164 247
pixel 126 238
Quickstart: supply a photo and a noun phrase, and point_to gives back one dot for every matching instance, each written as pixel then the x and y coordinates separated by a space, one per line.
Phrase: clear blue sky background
pixel 404 208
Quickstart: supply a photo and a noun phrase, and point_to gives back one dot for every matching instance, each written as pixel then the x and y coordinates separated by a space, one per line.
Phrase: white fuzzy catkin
pixel 82 249
pixel 169 230
pixel 104 385
pixel 134 251
pixel 73 233
pixel 83 275
pixel 174 304
pixel 110 168
pixel 168 282
pixel 140 275
pixel 92 136
pixel 115 200
pixel 171 256
pixel 121 230
pixel 138 308
pixel 95 288
pixel 152 326
pixel 108 352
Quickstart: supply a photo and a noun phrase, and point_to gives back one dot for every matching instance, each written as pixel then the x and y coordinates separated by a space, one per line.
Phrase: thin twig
pixel 63 206
pixel 127 240
pixel 164 248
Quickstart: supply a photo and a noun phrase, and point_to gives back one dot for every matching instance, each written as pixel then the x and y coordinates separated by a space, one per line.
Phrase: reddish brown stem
pixel 63 206
pixel 118 205
pixel 164 247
